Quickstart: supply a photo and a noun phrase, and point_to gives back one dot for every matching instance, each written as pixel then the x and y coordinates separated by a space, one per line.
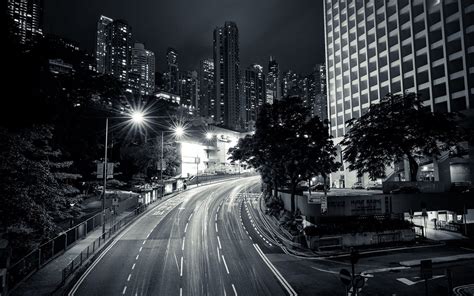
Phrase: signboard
pixel 426 269
pixel 110 170
pixel 345 276
pixel 163 165
pixel 324 204
pixel 115 201
pixel 197 160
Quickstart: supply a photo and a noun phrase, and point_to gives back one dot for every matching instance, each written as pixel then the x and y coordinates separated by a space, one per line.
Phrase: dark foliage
pixel 399 127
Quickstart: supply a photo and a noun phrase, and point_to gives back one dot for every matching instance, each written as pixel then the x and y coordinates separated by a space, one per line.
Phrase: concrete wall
pixel 311 211
pixel 364 239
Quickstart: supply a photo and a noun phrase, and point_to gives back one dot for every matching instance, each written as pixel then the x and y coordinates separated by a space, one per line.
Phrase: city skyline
pixel 280 23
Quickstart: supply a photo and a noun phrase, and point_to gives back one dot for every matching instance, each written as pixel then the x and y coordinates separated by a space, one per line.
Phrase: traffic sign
pixel 345 276
pixel 359 281
pixel 426 269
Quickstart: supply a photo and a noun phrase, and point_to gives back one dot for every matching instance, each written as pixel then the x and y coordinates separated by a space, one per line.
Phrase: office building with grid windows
pixel 379 47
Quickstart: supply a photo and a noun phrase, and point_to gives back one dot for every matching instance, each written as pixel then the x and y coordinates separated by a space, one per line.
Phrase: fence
pixel 100 241
pixel 50 250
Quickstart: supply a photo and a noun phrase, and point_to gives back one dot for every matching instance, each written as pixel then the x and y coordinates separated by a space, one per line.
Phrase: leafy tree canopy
pixel 396 128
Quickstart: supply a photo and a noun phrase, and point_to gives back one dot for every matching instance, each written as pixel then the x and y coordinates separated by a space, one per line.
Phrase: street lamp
pixel 178 131
pixel 137 118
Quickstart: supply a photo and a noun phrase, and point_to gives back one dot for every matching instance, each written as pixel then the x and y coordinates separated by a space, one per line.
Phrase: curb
pixel 439 260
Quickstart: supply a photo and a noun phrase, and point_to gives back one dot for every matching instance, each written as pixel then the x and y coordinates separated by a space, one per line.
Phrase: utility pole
pixel 161 167
pixel 105 176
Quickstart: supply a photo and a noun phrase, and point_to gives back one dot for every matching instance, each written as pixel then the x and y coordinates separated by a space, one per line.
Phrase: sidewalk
pixel 47 279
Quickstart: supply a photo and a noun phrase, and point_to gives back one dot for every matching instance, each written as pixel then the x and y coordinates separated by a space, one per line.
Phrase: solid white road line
pixel 235 291
pixel 225 264
pixel 181 269
pixel 182 246
pixel 124 290
pixel 219 242
pixel 275 271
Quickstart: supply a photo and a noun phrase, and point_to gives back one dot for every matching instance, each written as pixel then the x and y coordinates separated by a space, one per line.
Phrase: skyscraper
pixel 143 65
pixel 273 81
pixel 27 18
pixel 119 47
pixel 172 75
pixel 206 88
pixel 290 84
pixel 379 47
pixel 227 76
pixel 255 93
pixel 319 106
pixel 189 89
pixel 101 43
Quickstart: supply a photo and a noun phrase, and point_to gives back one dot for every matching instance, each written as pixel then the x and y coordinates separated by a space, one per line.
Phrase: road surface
pixel 192 244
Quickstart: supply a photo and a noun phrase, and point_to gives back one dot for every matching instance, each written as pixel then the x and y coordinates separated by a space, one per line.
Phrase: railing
pixel 96 245
pixel 46 252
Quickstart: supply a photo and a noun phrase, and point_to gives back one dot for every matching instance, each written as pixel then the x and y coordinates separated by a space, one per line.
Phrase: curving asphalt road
pixel 192 244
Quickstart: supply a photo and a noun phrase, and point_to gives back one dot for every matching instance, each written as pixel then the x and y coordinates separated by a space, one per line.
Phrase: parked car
pixel 374 186
pixel 320 187
pixel 357 185
pixel 405 189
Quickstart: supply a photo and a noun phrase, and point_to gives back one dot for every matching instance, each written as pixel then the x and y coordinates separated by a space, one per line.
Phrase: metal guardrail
pixel 46 252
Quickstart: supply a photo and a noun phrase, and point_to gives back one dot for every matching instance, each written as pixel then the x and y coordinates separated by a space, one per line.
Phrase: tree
pixel 145 157
pixel 35 186
pixel 288 145
pixel 398 127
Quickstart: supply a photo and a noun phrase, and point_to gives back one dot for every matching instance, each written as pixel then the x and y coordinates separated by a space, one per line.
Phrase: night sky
pixel 290 30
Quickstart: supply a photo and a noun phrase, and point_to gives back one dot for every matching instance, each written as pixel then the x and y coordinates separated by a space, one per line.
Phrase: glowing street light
pixel 137 117
pixel 179 131
pixel 209 136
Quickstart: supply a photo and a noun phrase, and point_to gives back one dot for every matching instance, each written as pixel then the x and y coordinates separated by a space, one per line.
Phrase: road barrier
pixel 48 251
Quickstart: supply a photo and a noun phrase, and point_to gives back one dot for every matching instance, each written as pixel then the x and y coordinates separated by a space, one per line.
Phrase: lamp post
pixel 178 132
pixel 137 118
pixel 105 176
